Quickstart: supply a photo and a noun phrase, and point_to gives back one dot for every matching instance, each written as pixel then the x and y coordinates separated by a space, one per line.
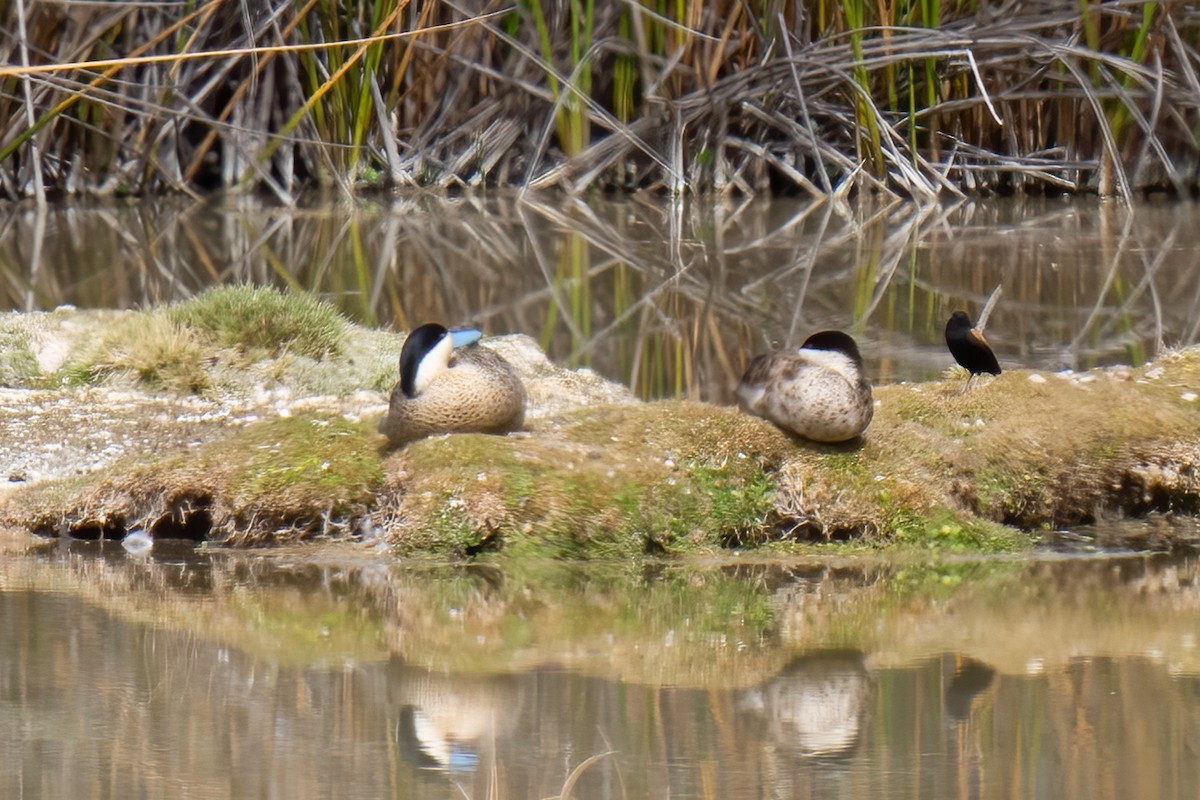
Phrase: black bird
pixel 969 348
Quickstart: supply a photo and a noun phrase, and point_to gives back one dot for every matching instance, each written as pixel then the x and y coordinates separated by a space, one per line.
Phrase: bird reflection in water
pixel 816 706
pixel 450 722
pixel 969 680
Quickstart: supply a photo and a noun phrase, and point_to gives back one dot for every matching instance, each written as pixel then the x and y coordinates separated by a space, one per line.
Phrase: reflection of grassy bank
pixel 687 96
pixel 689 624
pixel 152 685
pixel 267 613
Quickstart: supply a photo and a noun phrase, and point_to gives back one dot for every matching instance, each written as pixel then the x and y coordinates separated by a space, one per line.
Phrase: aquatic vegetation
pixel 815 95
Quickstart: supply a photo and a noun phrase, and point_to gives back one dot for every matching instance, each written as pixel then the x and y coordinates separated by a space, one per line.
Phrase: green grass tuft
pixel 144 348
pixel 179 348
pixel 18 364
pixel 257 319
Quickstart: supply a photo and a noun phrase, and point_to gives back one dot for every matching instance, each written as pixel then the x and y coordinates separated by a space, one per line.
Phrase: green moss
pixel 993 487
pixel 305 460
pixel 709 508
pixel 263 320
pixel 615 482
pixel 945 530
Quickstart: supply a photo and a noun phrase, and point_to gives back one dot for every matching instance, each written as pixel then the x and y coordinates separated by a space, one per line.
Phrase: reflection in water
pixel 447 720
pixel 215 675
pixel 672 299
pixel 815 707
pixel 970 678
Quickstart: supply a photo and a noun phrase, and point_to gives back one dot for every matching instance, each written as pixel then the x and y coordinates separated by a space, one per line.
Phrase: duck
pixel 969 348
pixel 450 384
pixel 818 392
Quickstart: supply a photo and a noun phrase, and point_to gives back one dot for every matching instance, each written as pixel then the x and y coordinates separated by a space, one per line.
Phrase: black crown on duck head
pixel 835 341
pixel 417 345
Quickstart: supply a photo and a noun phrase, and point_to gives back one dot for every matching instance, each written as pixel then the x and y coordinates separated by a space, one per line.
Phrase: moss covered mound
pixel 597 473
pixel 938 468
pixel 1022 451
pixel 273 480
pixel 613 480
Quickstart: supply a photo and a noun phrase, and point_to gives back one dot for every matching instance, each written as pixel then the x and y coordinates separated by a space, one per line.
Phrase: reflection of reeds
pixel 671 298
pixel 910 97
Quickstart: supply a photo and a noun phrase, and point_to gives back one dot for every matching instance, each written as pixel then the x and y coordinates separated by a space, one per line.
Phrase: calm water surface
pixel 229 675
pixel 347 674
pixel 669 298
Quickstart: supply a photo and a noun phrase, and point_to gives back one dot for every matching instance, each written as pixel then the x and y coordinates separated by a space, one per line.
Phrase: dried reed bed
pixel 824 96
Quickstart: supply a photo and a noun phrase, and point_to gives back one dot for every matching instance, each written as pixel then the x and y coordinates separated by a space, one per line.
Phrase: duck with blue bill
pixel 449 383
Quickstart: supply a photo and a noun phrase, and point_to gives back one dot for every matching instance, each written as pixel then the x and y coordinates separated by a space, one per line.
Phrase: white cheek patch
pixel 433 363
pixel 834 360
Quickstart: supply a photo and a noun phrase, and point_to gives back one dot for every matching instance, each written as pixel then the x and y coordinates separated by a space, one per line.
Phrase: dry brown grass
pixel 818 96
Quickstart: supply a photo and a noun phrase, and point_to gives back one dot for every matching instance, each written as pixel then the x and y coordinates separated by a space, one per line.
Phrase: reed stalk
pixel 820 96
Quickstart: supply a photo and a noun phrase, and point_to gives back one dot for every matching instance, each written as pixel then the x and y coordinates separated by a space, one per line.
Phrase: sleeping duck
pixel 818 392
pixel 449 384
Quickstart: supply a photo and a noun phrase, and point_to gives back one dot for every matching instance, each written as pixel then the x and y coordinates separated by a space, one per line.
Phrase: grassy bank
pixel 818 95
pixel 270 445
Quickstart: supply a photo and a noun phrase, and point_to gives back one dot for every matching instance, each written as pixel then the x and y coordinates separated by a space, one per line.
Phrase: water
pixel 343 673
pixel 335 673
pixel 670 299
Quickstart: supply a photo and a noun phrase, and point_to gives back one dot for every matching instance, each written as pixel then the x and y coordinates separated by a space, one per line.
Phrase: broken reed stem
pixel 39 188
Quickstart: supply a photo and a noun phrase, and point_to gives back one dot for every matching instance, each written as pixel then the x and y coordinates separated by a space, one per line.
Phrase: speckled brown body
pixel 479 392
pixel 818 394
